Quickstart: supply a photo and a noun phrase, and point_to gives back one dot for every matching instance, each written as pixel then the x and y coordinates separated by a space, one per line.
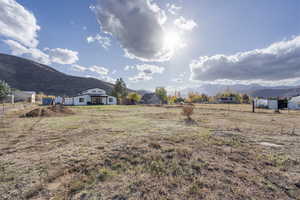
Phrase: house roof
pixel 95 95
pixel 150 98
pixel 148 95
pixel 25 92
pixel 295 99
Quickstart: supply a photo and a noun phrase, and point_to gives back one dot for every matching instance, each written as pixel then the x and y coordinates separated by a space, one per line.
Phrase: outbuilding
pixel 27 96
pixel 229 100
pixel 294 103
pixel 150 98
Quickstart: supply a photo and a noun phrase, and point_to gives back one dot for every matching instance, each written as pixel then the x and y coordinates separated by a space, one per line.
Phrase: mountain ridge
pixel 254 90
pixel 25 74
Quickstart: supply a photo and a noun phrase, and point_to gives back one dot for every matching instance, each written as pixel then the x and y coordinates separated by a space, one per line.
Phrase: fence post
pixel 253 106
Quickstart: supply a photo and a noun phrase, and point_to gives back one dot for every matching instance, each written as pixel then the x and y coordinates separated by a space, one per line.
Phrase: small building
pixel 9 99
pixel 150 98
pixel 261 103
pixel 230 99
pixel 273 104
pixel 47 101
pixel 27 96
pixel 59 100
pixel 294 103
pixel 94 96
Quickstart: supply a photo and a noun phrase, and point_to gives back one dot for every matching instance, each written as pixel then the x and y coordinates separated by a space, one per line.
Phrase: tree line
pixel 121 92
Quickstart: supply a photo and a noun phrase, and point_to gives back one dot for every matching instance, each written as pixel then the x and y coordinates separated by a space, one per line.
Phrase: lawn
pixel 150 152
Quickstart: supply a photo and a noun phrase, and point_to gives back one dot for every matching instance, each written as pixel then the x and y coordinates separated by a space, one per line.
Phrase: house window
pixel 111 100
pixel 81 100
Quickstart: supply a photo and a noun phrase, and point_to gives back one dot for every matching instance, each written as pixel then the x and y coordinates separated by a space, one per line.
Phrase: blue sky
pixel 225 42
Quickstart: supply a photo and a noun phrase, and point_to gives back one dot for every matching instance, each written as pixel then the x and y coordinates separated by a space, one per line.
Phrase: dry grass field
pixel 150 152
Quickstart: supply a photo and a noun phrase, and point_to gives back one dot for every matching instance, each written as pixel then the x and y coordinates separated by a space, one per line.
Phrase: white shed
pixel 273 104
pixel 28 96
pixel 294 103
pixel 261 103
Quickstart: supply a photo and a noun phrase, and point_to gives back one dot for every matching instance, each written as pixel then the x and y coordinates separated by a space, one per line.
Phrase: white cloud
pixel 62 56
pixel 18 49
pixel 129 67
pixel 185 24
pixel 79 68
pixel 105 42
pixel 103 78
pixel 99 70
pixel 20 26
pixel 177 80
pixel 173 9
pixel 150 69
pixel 140 77
pixel 277 62
pixel 18 23
pixel 108 79
pixel 102 71
pixel 137 25
pixel 146 68
pixel 145 72
pixel 96 72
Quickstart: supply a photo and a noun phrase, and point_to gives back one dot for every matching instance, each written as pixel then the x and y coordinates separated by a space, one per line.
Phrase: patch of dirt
pixel 162 115
pixel 190 122
pixel 49 111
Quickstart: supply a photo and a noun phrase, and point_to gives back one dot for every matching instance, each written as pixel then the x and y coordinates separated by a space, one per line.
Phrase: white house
pixel 266 103
pixel 261 103
pixel 94 96
pixel 230 99
pixel 28 96
pixel 273 104
pixel 294 103
pixel 59 100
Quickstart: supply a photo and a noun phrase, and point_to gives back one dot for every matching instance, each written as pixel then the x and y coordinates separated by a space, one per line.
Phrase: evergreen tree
pixel 4 90
pixel 120 90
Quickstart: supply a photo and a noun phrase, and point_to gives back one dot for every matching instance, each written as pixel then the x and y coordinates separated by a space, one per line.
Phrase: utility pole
pixel 253 106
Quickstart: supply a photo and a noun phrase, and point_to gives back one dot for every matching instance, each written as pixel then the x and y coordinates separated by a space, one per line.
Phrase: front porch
pixel 99 100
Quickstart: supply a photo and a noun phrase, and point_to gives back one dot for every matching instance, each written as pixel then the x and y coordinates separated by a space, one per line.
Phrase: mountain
pixel 276 92
pixel 254 90
pixel 213 89
pixel 28 75
pixel 143 92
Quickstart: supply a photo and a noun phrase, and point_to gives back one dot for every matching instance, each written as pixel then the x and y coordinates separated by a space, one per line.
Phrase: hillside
pixel 284 92
pixel 28 75
pixel 254 90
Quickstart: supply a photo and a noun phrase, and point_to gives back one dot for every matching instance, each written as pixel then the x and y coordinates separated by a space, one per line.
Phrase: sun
pixel 172 40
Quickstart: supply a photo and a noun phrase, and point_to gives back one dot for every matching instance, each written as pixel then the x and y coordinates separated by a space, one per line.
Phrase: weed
pixel 188 111
pixel 104 174
pixel 277 160
pixel 155 145
pixel 157 168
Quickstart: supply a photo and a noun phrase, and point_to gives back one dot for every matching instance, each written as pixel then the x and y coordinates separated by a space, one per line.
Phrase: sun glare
pixel 172 40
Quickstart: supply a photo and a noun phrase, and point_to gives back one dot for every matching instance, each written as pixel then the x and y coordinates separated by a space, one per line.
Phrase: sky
pixel 149 43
